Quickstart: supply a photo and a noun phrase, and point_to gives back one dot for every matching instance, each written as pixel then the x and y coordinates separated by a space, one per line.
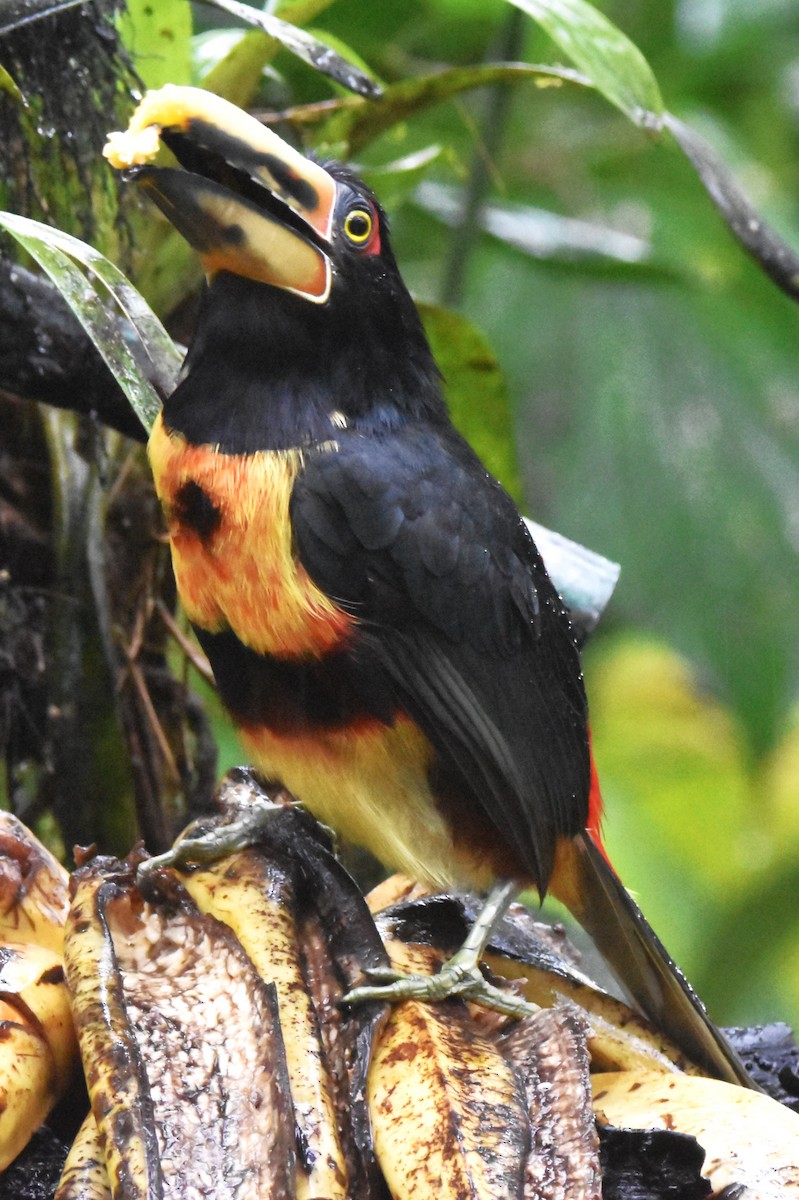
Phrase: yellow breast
pixel 232 552
pixel 372 785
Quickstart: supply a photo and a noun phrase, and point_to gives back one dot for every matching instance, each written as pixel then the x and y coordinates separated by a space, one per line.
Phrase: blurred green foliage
pixel 651 370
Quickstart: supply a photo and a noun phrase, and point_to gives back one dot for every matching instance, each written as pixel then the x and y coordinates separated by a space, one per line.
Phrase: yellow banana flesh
pixel 618 1038
pixel 27 1083
pixel 32 981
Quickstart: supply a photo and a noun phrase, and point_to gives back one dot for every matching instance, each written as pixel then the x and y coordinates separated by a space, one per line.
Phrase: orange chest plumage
pixel 232 551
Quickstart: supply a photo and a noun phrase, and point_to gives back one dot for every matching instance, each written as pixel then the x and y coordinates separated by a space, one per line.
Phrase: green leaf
pixel 55 252
pixel 615 67
pixel 300 12
pixel 9 87
pixel 157 33
pixel 476 391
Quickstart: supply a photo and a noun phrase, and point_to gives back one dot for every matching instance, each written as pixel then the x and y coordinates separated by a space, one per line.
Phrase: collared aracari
pixel 378 619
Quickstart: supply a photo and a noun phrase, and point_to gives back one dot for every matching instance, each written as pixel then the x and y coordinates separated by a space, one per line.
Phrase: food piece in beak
pixel 246 200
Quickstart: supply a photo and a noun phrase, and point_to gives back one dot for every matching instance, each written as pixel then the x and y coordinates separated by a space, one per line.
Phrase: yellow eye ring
pixel 358 226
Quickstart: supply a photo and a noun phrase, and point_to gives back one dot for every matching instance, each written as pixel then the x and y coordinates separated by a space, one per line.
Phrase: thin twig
pixel 195 656
pixel 152 716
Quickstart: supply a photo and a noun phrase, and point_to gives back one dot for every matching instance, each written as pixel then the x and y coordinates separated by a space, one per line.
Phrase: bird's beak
pixel 242 197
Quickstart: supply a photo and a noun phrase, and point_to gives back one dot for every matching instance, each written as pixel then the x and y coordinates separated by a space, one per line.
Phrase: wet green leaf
pixel 300 12
pixel 615 66
pixel 56 253
pixel 9 87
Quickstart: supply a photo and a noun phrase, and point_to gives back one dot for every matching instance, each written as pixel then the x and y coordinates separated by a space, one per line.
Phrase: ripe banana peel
pixel 255 898
pixel 457 1104
pixel 38 1050
pixel 527 957
pixel 85 1176
pixel 32 983
pixel 181 1044
pixel 214 1045
pixel 448 1110
pixel 550 1053
pixel 34 888
pixel 751 1141
pixel 27 1084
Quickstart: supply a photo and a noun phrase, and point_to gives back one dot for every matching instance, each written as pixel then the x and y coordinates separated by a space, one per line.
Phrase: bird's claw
pixel 214 842
pixel 457 977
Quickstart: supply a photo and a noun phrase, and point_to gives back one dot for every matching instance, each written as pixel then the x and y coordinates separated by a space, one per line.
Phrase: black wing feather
pixel 411 534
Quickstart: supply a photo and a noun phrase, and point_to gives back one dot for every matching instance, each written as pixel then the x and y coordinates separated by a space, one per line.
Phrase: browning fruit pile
pixel 220 1063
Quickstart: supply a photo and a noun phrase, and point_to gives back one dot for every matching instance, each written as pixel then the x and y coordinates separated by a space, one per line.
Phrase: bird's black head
pixel 306 325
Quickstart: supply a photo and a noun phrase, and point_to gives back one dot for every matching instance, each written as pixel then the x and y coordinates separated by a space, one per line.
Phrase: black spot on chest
pixel 194 509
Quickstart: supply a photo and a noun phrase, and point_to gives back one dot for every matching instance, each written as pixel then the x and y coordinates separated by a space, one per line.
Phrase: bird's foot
pixel 459 976
pixel 207 841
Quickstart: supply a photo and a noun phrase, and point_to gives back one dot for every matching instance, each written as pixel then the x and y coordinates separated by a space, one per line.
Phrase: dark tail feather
pixel 589 887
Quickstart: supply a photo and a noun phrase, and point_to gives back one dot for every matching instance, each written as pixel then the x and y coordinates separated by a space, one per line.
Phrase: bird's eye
pixel 358 225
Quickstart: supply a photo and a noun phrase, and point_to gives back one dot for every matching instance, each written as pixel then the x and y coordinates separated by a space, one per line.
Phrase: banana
pixel 34 888
pixel 618 1038
pixel 397 889
pixel 37 1037
pixel 255 898
pixel 539 964
pixel 751 1142
pixel 328 1047
pixel 550 1052
pixel 32 982
pixel 117 1088
pixel 181 1044
pixel 85 1176
pixel 448 1113
pixel 27 1083
pixel 216 1049
pixel 37 1042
